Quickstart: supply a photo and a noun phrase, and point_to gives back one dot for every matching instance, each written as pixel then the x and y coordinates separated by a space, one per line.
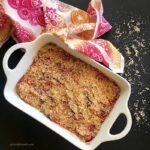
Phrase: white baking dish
pixel 121 106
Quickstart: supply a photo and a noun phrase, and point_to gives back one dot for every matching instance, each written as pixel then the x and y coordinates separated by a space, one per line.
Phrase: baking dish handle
pixel 11 72
pixel 111 137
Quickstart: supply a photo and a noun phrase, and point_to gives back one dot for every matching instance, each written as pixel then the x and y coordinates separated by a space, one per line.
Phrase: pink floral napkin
pixel 27 19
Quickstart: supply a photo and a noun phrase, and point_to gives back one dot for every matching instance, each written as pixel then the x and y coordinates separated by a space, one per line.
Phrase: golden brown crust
pixel 68 91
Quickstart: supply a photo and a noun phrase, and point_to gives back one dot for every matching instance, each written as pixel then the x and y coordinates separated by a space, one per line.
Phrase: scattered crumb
pixel 137 117
pixel 128 50
pixel 147 89
pixel 136 52
pixel 136 29
pixel 118 33
pixel 131 62
pixel 137 71
pixel 133 26
pixel 134 48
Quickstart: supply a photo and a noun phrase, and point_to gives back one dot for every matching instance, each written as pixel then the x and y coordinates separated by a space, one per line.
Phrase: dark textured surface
pixel 16 127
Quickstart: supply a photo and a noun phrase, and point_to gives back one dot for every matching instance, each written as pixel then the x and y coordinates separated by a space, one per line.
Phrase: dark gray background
pixel 17 127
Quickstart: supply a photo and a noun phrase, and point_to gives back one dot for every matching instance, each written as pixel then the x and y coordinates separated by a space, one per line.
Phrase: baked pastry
pixel 68 91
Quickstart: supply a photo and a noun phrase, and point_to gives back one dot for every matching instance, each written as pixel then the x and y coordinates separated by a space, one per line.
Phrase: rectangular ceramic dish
pixel 13 76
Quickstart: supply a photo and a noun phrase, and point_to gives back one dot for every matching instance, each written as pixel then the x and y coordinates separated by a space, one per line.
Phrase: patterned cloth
pixel 27 19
